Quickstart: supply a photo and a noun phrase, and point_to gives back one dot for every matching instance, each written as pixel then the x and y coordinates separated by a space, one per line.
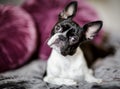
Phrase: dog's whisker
pixel 45 42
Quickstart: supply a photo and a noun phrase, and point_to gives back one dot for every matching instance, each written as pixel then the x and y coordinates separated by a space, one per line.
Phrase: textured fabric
pixel 17 37
pixel 31 76
pixel 45 14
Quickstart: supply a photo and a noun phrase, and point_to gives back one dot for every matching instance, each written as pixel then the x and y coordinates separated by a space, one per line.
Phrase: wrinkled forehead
pixel 70 26
pixel 69 23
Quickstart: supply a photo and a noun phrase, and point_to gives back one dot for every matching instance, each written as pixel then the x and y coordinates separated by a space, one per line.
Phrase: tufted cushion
pixel 17 37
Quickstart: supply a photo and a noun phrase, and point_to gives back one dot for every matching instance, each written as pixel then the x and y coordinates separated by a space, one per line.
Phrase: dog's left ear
pixel 91 29
pixel 69 11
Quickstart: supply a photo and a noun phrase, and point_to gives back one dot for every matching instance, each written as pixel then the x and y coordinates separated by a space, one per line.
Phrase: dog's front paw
pixel 46 79
pixel 69 82
pixel 59 81
pixel 92 79
pixel 99 80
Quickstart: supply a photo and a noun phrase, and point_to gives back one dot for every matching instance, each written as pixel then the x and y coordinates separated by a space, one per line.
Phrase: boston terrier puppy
pixel 67 64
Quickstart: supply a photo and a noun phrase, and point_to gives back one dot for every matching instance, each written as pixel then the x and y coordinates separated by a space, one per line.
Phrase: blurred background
pixel 109 12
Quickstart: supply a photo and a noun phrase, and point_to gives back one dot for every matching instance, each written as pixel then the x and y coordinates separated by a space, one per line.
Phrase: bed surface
pixel 30 76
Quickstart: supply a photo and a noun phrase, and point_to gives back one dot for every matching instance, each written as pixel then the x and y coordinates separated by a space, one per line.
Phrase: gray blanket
pixel 31 75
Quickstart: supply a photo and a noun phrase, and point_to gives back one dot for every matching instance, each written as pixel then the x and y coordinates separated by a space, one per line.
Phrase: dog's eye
pixel 73 39
pixel 58 29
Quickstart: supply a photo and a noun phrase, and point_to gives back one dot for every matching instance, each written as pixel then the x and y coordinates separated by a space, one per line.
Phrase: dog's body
pixel 68 70
pixel 67 64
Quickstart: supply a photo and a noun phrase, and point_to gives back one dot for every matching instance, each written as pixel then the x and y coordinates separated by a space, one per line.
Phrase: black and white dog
pixel 67 64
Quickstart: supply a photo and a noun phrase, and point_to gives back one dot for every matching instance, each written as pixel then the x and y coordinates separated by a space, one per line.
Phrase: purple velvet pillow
pixel 45 14
pixel 17 37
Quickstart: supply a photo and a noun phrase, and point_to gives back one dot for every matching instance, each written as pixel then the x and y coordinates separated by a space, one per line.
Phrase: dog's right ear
pixel 69 11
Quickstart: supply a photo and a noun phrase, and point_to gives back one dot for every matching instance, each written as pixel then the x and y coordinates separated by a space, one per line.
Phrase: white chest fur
pixel 68 70
pixel 67 65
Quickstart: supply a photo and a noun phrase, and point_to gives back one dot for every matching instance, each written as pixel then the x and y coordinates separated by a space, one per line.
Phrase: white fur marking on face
pixel 53 38
pixel 91 32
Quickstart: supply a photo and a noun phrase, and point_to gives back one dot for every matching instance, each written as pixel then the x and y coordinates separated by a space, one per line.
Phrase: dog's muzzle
pixel 56 41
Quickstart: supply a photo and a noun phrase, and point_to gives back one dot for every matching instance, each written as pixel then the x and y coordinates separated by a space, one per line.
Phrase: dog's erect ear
pixel 69 11
pixel 91 29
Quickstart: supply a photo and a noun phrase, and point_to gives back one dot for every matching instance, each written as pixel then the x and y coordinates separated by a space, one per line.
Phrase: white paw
pixel 69 82
pixel 94 80
pixel 45 79
pixel 59 81
pixel 90 79
pixel 90 71
pixel 99 81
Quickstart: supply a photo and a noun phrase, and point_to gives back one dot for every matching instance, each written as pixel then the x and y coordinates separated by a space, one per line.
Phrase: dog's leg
pixel 91 71
pixel 88 75
pixel 59 81
pixel 90 78
pixel 54 74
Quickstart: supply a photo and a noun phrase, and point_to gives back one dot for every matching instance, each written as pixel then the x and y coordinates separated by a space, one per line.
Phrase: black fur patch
pixel 72 29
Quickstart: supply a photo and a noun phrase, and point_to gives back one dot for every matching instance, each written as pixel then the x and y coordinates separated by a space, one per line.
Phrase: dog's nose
pixel 62 38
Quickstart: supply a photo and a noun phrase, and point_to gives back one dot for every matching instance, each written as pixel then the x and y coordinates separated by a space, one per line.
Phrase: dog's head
pixel 67 35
